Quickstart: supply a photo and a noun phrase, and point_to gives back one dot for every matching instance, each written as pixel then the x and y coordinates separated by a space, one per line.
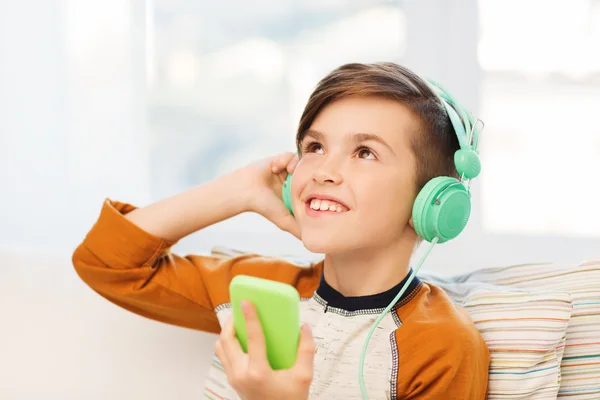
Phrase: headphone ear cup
pixel 442 209
pixel 286 193
pixel 418 213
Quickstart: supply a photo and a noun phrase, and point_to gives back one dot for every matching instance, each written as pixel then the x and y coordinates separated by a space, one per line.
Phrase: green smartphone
pixel 278 307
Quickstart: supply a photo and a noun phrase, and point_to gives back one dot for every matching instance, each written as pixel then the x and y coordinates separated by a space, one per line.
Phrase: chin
pixel 322 244
pixel 319 248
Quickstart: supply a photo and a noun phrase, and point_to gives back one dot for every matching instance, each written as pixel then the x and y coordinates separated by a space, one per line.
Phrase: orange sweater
pixel 426 348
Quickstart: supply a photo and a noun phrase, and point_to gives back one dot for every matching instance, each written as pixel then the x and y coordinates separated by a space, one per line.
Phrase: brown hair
pixel 434 145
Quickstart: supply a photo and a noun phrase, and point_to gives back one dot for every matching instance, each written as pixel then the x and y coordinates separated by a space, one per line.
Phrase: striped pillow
pixel 580 366
pixel 525 332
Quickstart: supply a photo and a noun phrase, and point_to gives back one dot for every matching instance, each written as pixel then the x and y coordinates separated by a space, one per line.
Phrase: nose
pixel 327 173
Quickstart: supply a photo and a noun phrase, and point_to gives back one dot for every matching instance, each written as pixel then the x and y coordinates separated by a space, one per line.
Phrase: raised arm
pixel 126 256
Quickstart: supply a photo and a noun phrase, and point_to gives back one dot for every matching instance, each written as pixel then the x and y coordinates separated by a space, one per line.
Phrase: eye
pixel 313 147
pixel 365 153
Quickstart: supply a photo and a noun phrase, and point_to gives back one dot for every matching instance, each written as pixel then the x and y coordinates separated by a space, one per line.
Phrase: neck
pixel 369 271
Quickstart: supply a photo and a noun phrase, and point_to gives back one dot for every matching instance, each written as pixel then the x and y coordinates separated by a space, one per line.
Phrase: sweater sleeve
pixel 441 355
pixel 137 271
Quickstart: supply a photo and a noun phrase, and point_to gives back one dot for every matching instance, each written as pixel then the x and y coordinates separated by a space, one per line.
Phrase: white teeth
pixel 325 205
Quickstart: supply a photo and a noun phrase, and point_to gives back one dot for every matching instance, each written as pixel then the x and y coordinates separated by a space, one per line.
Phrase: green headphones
pixel 443 207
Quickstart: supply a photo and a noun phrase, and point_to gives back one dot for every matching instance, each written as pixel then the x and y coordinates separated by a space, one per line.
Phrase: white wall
pixel 72 131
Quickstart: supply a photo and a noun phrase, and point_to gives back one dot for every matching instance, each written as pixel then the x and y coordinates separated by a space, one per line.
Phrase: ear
pixel 411 223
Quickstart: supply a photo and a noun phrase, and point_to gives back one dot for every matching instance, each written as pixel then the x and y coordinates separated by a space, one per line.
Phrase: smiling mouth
pixel 325 205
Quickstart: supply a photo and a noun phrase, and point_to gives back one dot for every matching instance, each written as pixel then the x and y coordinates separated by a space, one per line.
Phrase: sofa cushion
pixel 580 365
pixel 525 331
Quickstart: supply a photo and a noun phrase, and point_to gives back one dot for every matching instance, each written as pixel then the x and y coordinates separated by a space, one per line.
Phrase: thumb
pixel 286 221
pixel 306 349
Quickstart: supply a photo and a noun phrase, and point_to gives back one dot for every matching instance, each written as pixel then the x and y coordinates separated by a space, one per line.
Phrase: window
pixel 227 85
pixel 540 97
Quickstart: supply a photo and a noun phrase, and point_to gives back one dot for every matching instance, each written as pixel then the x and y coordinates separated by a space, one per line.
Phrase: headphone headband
pixel 463 122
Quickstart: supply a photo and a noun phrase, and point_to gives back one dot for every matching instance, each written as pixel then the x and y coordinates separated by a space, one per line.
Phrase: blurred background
pixel 136 100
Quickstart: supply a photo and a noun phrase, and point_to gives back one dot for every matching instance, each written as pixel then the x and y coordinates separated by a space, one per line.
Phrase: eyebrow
pixel 355 137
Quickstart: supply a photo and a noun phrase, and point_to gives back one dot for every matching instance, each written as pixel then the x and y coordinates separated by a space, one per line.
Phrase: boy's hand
pixel 251 375
pixel 263 181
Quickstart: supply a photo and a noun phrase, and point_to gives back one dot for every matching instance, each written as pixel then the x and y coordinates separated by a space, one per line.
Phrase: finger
pixel 236 359
pixel 290 225
pixel 257 349
pixel 231 346
pixel 287 222
pixel 291 167
pixel 306 351
pixel 220 353
pixel 280 162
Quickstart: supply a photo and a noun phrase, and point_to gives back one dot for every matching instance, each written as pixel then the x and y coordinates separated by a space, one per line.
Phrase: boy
pixel 370 137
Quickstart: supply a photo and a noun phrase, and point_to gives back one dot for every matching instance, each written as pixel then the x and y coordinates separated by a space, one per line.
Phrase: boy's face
pixel 358 152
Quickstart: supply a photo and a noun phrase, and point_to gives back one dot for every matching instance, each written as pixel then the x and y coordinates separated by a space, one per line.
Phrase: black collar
pixel 333 298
